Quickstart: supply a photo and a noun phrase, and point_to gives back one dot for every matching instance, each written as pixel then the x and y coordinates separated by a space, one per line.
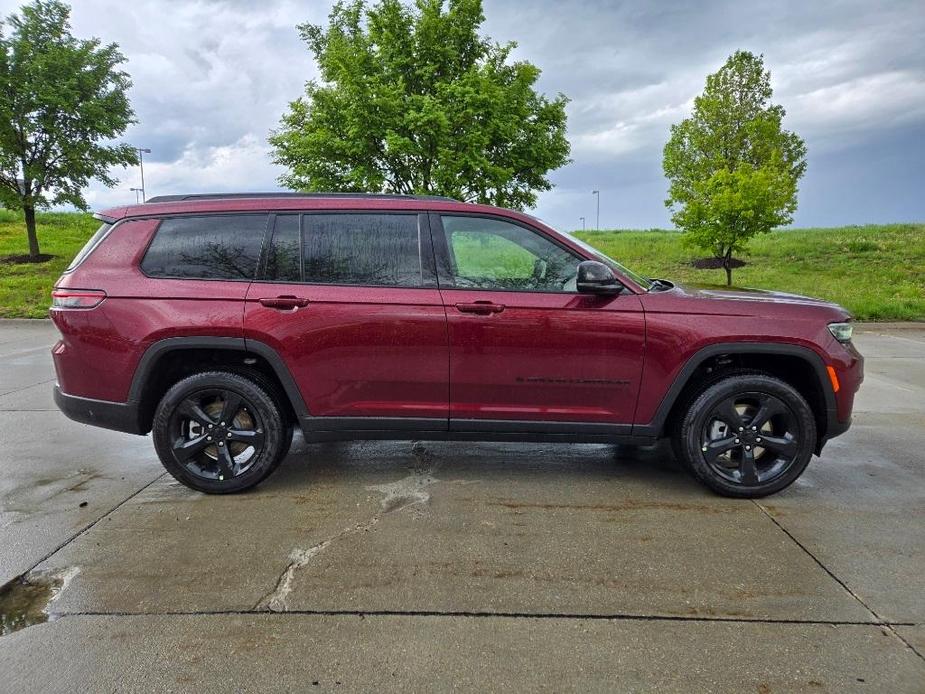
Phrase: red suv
pixel 221 322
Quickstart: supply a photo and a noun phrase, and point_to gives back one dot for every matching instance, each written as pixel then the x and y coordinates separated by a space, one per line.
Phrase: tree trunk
pixel 29 212
pixel 727 266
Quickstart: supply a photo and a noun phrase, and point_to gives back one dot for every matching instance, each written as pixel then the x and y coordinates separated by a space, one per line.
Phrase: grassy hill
pixel 25 288
pixel 876 271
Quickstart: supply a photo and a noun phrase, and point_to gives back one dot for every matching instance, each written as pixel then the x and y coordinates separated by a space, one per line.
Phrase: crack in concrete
pixel 878 619
pixel 463 614
pixel 277 600
pixel 405 493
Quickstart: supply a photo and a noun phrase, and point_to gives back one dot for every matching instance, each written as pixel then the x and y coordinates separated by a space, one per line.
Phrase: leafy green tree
pixel 414 100
pixel 732 169
pixel 61 100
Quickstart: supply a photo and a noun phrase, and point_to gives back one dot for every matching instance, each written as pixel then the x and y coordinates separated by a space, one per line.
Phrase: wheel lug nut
pixel 754 428
pixel 221 424
pixel 704 449
pixel 210 426
pixel 741 428
pixel 738 441
pixel 228 436
pixel 758 439
pixel 208 438
pixel 748 448
pixel 221 443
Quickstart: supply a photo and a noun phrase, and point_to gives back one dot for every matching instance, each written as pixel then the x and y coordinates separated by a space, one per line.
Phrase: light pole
pixel 598 194
pixel 136 191
pixel 582 223
pixel 141 162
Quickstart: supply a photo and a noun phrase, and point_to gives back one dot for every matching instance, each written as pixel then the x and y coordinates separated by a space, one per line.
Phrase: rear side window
pixel 94 241
pixel 284 256
pixel 362 249
pixel 219 247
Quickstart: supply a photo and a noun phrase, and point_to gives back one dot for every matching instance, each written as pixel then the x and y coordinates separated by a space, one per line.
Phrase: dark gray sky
pixel 212 77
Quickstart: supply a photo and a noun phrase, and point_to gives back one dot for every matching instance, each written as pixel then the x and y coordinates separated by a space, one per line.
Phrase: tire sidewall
pixel 266 408
pixel 699 410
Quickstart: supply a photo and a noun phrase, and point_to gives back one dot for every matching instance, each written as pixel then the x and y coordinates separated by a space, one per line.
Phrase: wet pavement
pixel 438 566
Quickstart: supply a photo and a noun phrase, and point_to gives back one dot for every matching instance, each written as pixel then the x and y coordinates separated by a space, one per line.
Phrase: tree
pixel 732 169
pixel 414 100
pixel 61 100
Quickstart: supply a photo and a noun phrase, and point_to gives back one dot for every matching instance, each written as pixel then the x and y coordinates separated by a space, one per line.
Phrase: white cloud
pixel 212 77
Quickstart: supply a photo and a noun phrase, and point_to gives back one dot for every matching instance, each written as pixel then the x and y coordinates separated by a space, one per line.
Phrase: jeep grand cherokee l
pixel 221 322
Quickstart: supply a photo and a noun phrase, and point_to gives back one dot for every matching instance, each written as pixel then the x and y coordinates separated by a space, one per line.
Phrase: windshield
pixel 643 282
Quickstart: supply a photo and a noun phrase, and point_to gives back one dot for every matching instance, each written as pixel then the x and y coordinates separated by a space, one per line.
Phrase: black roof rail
pixel 232 196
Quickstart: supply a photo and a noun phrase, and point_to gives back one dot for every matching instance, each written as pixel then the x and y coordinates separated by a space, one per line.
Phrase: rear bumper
pixel 119 416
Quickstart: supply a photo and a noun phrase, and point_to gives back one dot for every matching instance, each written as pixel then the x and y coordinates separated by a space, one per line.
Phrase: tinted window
pixel 217 247
pixel 491 254
pixel 284 258
pixel 362 249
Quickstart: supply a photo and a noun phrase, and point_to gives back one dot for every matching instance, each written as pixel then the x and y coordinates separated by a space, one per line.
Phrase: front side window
pixel 491 254
pixel 220 247
pixel 362 249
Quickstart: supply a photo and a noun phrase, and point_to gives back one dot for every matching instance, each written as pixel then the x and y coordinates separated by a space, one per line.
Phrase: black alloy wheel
pixel 748 435
pixel 219 432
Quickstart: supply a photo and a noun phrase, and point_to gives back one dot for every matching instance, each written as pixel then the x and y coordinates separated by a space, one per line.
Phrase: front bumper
pixel 119 416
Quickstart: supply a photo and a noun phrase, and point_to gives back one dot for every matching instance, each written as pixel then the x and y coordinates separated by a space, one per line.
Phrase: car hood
pixel 746 294
pixel 742 301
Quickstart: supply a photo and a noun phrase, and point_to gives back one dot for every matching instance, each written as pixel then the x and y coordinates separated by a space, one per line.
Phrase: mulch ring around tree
pixel 716 263
pixel 17 259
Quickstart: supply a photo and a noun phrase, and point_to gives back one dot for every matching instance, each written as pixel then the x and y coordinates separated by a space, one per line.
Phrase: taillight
pixel 76 298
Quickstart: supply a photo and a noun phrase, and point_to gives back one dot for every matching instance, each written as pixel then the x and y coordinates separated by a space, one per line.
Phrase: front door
pixel 351 305
pixel 524 344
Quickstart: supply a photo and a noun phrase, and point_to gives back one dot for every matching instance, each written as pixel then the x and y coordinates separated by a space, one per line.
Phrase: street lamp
pixel 141 162
pixel 598 194
pixel 582 223
pixel 136 191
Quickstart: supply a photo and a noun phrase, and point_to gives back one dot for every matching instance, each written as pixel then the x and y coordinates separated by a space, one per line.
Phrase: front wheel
pixel 219 432
pixel 747 436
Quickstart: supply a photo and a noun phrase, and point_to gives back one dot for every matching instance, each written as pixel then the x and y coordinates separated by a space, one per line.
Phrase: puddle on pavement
pixel 25 600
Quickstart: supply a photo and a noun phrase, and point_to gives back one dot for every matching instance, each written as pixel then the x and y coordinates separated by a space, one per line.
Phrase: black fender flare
pixel 656 426
pixel 172 344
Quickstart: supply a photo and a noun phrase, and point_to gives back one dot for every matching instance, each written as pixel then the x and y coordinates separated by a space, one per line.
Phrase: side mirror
pixel 597 278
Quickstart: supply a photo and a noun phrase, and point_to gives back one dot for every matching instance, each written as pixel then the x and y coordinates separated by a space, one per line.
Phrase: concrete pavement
pixel 439 566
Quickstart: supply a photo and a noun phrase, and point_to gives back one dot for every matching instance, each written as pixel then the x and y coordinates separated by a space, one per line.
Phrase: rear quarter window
pixel 218 247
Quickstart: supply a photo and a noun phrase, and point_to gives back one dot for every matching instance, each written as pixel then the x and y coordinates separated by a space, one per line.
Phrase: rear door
pixel 351 304
pixel 524 344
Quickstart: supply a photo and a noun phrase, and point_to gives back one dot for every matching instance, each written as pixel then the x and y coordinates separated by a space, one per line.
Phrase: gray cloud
pixel 213 77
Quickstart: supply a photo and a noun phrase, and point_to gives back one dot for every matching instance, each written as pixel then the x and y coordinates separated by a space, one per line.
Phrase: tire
pixel 279 398
pixel 747 435
pixel 190 432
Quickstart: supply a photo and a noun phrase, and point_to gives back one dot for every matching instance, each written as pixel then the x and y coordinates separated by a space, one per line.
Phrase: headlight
pixel 841 331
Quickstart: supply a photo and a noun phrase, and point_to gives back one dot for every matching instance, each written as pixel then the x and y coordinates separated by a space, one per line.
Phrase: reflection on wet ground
pixel 26 601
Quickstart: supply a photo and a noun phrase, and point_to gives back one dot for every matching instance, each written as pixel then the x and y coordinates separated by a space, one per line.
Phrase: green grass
pixel 876 271
pixel 25 288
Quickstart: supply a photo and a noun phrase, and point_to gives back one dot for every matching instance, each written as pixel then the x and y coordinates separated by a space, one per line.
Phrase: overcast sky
pixel 212 77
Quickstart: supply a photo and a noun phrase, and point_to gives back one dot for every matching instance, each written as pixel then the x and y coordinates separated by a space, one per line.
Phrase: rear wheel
pixel 747 435
pixel 219 432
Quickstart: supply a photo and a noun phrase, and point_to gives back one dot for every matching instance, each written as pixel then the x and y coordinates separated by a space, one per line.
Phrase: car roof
pixel 297 202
